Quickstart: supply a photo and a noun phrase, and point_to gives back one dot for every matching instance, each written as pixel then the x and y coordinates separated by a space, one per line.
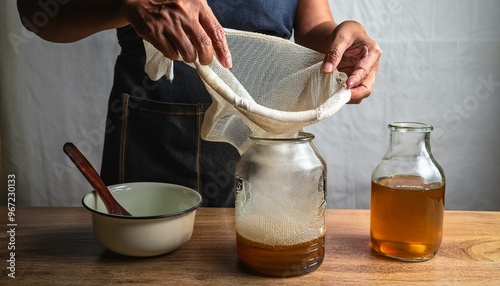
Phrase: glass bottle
pixel 407 196
pixel 280 206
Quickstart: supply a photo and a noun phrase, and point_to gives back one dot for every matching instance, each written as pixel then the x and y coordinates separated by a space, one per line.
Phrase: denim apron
pixel 153 128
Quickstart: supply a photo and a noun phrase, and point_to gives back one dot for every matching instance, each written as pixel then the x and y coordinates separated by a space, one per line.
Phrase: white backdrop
pixel 441 65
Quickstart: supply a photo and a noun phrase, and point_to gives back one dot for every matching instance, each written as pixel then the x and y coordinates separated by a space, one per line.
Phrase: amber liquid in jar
pixel 281 260
pixel 406 217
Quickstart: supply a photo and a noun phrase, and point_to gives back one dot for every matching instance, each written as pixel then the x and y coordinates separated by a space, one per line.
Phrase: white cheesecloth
pixel 274 88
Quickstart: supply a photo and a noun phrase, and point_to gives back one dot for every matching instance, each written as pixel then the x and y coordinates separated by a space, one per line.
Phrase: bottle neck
pixel 409 139
pixel 408 144
pixel 282 150
pixel 409 154
pixel 300 138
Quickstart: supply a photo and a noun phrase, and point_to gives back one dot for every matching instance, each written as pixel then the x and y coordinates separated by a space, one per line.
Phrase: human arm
pixel 70 20
pixel 184 27
pixel 347 46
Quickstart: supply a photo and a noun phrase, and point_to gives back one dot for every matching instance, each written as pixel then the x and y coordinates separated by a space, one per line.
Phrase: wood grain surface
pixel 55 246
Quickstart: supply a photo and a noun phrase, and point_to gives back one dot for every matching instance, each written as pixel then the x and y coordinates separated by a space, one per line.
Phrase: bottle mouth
pixel 410 127
pixel 300 136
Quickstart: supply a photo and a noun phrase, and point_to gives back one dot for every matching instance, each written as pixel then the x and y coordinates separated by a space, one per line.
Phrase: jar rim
pixel 300 136
pixel 410 127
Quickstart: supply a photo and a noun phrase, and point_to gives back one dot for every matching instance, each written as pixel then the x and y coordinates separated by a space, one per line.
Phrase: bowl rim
pixel 162 216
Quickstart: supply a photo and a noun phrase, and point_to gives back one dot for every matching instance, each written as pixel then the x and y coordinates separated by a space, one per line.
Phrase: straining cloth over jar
pixel 274 88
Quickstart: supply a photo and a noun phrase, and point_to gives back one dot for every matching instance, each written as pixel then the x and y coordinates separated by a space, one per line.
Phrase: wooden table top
pixel 55 246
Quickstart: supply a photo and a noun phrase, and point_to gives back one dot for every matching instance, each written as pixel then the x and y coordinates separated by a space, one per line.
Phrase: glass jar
pixel 407 196
pixel 281 206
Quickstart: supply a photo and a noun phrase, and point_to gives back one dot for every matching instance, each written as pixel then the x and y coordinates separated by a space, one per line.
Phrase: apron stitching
pixel 121 177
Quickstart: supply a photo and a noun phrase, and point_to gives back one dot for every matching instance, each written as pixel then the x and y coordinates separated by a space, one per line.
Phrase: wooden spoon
pixel 94 179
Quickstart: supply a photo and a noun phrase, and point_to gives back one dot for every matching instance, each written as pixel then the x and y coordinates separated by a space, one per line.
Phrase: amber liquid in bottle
pixel 281 260
pixel 406 217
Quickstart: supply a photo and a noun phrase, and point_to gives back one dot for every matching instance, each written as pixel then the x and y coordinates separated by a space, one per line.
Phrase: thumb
pixel 333 57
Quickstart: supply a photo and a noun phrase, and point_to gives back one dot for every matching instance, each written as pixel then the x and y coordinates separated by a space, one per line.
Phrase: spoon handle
pixel 94 179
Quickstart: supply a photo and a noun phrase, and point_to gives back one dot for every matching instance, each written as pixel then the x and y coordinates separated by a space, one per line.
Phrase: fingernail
pixel 229 62
pixel 328 67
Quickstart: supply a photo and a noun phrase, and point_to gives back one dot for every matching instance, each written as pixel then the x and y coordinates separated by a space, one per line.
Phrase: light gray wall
pixel 441 65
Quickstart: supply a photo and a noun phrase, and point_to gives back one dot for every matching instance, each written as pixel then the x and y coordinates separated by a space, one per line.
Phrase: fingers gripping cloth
pixel 274 88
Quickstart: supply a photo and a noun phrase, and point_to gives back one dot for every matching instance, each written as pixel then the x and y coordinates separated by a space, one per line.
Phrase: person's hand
pixel 185 27
pixel 353 52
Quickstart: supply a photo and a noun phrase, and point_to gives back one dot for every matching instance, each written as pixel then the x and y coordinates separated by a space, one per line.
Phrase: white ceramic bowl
pixel 162 218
